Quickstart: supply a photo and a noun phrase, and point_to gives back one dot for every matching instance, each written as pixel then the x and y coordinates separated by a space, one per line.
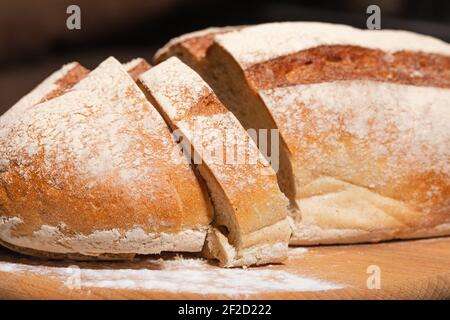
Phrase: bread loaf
pixel 250 224
pixel 91 166
pixel 95 173
pixel 362 115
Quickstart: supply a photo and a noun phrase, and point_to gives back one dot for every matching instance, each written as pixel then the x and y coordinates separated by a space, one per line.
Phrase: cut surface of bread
pixel 362 118
pixel 95 172
pixel 250 224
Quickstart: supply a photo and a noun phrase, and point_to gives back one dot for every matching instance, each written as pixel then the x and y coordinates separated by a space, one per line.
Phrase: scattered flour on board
pixel 184 275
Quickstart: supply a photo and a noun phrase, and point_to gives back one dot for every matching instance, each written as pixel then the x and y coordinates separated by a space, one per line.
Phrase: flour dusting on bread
pixel 264 42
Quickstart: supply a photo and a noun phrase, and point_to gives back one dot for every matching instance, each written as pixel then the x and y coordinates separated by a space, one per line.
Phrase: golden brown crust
pixel 51 87
pixel 67 82
pixel 334 63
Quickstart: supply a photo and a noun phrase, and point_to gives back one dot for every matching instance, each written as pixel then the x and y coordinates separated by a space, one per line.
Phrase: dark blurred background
pixel 34 39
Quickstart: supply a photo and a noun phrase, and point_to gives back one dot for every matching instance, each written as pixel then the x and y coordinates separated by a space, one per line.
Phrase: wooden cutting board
pixel 417 269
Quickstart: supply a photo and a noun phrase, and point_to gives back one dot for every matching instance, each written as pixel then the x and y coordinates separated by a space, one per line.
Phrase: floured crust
pixel 90 187
pixel 260 43
pixel 363 117
pixel 52 86
pixel 250 190
pixel 135 241
pixel 196 43
pixel 384 167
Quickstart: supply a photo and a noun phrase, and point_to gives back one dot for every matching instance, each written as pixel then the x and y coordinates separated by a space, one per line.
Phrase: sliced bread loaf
pixel 95 173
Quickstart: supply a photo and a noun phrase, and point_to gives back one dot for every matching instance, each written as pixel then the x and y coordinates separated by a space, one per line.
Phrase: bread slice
pixel 363 127
pixel 250 224
pixel 81 175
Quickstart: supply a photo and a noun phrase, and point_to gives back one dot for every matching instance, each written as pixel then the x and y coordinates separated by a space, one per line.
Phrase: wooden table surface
pixel 416 269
